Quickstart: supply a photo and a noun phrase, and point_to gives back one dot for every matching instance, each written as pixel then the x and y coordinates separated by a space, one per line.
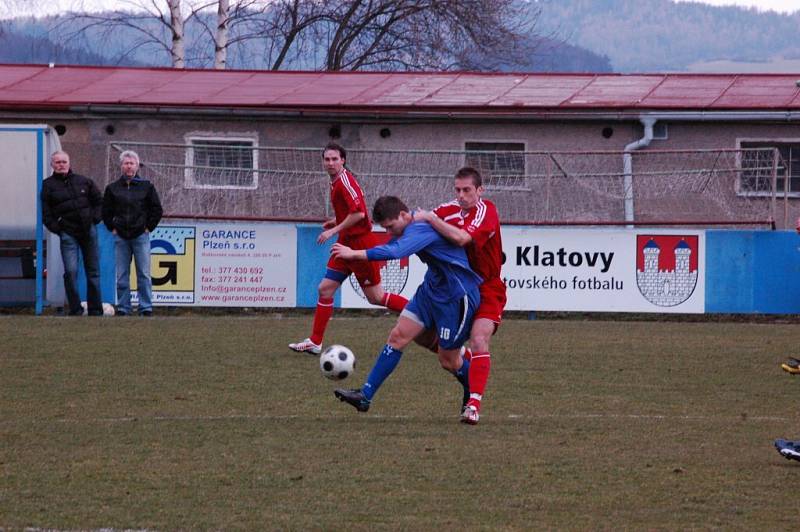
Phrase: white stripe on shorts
pixel 463 316
pixel 410 315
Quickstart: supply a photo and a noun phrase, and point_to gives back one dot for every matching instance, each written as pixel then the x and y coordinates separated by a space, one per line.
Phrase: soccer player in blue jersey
pixel 445 302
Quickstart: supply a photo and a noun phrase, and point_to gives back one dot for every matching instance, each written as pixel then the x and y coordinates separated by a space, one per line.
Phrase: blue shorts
pixel 452 321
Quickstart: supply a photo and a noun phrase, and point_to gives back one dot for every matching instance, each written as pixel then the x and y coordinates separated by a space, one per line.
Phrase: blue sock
pixel 463 374
pixel 383 367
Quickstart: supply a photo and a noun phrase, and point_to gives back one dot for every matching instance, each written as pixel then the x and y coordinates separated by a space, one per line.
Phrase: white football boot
pixel 306 346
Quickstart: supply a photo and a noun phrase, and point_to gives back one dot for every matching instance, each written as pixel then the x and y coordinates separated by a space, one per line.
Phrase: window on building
pixel 757 167
pixel 221 163
pixel 497 159
pixel 660 131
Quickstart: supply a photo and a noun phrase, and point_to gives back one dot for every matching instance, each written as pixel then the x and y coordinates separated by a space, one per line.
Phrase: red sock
pixel 394 302
pixel 321 318
pixel 479 367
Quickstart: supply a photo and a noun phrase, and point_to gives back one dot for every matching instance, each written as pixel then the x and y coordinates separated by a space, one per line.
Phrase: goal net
pixel 681 187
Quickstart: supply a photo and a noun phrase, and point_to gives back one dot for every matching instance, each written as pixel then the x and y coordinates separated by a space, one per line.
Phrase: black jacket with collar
pixel 70 203
pixel 131 206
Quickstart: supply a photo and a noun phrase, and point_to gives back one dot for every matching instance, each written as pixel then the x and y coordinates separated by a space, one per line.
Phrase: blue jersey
pixel 449 276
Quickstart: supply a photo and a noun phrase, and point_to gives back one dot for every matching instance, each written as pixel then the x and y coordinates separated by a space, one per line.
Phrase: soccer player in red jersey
pixel 473 222
pixel 351 222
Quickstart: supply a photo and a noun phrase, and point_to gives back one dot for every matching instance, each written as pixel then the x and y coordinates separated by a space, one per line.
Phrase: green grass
pixel 200 422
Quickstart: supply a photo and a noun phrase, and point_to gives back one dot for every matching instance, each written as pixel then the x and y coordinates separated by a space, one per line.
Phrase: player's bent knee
pixel 449 361
pixel 479 343
pixel 428 340
pixel 447 365
pixel 327 288
pixel 481 334
pixel 398 339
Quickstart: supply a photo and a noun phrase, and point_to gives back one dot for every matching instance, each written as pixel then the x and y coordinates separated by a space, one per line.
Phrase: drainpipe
pixel 627 163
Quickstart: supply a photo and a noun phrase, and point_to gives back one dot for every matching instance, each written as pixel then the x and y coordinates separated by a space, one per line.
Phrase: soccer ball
pixel 108 309
pixel 337 362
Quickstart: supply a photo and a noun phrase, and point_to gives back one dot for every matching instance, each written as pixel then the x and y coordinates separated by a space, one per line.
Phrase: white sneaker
pixel 470 415
pixel 788 449
pixel 306 346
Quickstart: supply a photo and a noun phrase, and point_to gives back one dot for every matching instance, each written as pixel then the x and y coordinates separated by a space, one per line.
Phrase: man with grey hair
pixel 131 210
pixel 71 209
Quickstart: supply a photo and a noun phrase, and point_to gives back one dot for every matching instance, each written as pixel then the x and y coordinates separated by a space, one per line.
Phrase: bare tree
pixel 280 29
pixel 328 34
pixel 163 24
pixel 389 34
pixel 285 25
pixel 232 24
pixel 153 23
pixel 218 28
pixel 175 25
pixel 425 34
pixel 221 37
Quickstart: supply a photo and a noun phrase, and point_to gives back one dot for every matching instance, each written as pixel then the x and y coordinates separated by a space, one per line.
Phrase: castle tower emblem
pixel 666 268
pixel 394 273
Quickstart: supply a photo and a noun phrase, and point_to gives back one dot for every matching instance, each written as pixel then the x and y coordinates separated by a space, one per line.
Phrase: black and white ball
pixel 337 362
pixel 108 308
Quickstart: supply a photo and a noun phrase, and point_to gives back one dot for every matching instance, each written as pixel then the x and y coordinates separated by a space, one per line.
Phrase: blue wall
pixel 105 243
pixel 753 272
pixel 311 261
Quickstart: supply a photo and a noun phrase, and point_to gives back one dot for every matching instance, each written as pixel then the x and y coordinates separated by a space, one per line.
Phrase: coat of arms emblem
pixel 394 273
pixel 666 268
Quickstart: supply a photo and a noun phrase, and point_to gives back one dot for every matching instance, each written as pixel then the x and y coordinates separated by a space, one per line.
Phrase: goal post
pixel 237 179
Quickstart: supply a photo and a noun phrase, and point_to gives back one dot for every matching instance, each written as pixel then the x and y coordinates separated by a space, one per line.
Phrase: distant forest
pixel 571 36
pixel 20 48
pixel 53 40
pixel 661 35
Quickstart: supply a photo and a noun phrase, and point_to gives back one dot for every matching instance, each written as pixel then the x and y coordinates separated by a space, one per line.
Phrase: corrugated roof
pixel 38 86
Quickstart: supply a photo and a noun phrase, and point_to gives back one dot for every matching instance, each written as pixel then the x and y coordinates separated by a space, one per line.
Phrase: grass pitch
pixel 211 423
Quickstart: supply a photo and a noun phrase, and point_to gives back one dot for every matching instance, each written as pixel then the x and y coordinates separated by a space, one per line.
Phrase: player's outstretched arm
pixel 415 238
pixel 352 219
pixel 340 251
pixel 451 233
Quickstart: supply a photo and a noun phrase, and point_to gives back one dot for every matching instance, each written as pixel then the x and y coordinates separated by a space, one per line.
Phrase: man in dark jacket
pixel 71 209
pixel 131 210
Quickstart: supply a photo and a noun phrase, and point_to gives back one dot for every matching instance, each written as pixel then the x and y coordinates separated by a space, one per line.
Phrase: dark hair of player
pixel 471 172
pixel 388 208
pixel 335 147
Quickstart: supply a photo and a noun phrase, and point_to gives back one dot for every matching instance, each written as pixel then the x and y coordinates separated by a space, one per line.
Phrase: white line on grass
pixel 657 417
pixel 279 417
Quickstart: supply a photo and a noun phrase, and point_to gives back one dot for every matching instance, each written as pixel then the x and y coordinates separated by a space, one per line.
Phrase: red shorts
pixel 367 272
pixel 493 301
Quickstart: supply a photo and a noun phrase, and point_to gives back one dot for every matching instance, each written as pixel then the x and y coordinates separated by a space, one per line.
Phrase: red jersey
pixel 485 252
pixel 347 198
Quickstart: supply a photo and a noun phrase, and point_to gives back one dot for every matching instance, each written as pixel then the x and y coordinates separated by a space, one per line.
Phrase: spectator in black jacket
pixel 71 209
pixel 131 210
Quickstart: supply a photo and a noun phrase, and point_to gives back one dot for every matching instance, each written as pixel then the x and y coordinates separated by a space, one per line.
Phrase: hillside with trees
pixel 498 35
pixel 662 35
pixel 488 35
pixel 22 48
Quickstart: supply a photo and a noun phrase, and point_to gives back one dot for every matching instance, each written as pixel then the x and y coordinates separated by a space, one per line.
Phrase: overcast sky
pixel 48 7
pixel 785 6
